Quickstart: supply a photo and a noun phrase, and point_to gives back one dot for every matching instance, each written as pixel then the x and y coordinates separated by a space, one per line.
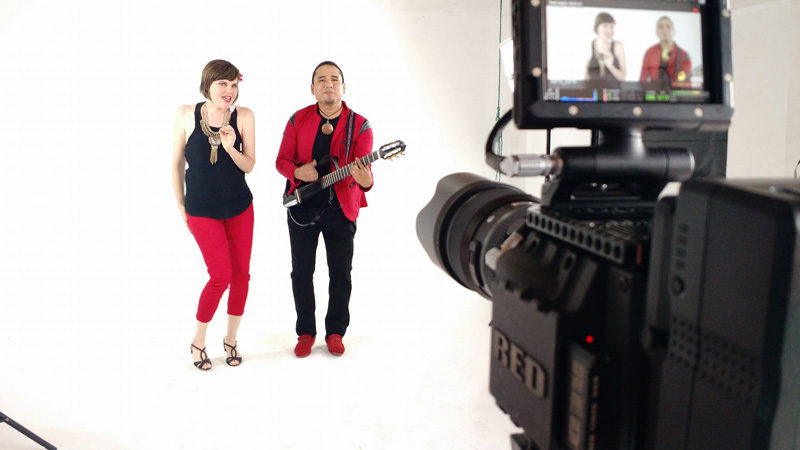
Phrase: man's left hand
pixel 361 174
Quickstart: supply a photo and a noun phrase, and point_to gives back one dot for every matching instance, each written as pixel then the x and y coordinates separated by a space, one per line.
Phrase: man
pixel 315 142
pixel 665 64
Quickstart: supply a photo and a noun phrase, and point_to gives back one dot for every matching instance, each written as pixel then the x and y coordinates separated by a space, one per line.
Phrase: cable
pixel 492 158
pixel 547 150
pixel 499 78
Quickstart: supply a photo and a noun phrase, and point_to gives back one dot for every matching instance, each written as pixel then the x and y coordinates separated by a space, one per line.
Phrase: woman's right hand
pixel 602 51
pixel 307 172
pixel 182 209
pixel 605 57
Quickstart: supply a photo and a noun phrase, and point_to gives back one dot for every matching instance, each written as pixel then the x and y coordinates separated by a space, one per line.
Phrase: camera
pixel 622 318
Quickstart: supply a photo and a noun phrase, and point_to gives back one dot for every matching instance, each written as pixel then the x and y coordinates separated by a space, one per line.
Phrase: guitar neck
pixel 297 197
pixel 344 171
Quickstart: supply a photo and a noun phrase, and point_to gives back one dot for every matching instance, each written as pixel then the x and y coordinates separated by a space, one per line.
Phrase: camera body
pixel 694 346
pixel 566 347
pixel 621 319
pixel 675 331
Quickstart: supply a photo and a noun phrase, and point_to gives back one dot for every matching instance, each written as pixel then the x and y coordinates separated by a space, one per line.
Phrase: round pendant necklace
pixel 327 128
pixel 213 136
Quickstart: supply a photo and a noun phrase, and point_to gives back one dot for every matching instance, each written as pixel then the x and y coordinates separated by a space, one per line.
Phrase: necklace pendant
pixel 213 157
pixel 327 128
pixel 214 140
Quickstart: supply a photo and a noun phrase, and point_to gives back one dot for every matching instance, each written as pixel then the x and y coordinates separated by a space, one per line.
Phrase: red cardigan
pixel 679 61
pixel 298 143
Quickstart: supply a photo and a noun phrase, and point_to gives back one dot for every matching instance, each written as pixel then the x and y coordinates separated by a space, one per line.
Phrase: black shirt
pixel 597 72
pixel 321 153
pixel 217 191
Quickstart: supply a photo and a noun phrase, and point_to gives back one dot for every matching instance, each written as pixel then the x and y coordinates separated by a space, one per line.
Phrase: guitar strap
pixel 351 120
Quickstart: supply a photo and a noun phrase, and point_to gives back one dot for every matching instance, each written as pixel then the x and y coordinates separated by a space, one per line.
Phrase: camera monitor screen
pixel 624 51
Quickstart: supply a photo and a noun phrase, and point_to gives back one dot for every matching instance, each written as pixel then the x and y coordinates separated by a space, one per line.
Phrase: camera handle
pixel 617 177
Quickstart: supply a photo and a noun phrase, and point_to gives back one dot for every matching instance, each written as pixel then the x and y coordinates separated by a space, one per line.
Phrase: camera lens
pixel 467 216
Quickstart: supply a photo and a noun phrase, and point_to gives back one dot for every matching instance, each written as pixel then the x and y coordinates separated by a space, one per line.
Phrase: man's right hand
pixel 307 172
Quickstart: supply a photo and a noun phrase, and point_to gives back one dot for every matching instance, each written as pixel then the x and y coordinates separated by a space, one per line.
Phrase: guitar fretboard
pixel 343 172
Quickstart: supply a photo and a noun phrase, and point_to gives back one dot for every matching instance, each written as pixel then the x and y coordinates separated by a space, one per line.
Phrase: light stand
pixel 5 419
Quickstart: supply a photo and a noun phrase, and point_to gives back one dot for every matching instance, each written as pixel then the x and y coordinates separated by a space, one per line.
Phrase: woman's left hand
pixel 228 137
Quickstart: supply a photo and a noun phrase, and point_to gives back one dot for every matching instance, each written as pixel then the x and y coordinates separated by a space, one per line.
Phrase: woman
pixel 607 63
pixel 217 204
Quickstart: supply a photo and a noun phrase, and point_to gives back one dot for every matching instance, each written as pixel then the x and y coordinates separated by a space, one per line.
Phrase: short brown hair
pixel 218 69
pixel 603 17
pixel 326 63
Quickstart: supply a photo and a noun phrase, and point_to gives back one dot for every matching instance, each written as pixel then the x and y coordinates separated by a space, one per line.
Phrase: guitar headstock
pixel 392 149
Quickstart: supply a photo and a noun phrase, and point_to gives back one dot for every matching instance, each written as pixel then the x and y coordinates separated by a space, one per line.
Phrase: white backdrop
pixel 100 278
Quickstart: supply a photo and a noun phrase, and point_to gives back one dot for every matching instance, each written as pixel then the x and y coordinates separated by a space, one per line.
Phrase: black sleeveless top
pixel 217 191
pixel 605 76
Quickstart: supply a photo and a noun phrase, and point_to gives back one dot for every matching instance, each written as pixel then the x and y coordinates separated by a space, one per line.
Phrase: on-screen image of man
pixel 665 65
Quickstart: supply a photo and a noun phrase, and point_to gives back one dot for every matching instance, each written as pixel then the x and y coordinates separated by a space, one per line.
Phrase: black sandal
pixel 234 352
pixel 203 358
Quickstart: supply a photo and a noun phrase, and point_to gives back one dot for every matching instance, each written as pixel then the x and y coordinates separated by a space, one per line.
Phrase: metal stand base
pixel 5 419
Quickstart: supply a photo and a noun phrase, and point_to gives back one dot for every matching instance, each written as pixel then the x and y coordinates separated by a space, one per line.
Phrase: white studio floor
pixel 107 365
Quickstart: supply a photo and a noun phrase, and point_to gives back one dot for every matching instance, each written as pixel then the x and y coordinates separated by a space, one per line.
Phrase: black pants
pixel 338 232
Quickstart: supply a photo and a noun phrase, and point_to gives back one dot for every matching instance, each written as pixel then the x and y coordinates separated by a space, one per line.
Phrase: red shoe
pixel 335 345
pixel 303 347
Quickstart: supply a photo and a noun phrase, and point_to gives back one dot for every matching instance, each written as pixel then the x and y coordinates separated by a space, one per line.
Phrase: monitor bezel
pixel 532 111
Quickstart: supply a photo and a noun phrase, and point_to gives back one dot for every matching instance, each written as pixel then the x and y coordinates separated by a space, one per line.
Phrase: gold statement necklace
pixel 213 136
pixel 327 128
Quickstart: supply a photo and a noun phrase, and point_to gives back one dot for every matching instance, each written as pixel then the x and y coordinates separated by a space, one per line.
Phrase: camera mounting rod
pixel 617 173
pixel 619 153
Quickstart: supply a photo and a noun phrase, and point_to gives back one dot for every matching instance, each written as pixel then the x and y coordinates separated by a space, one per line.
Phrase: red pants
pixel 226 246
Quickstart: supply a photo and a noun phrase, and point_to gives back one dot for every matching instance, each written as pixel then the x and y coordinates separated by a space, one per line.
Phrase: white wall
pixel 793 99
pixel 94 258
pixel 91 88
pixel 763 140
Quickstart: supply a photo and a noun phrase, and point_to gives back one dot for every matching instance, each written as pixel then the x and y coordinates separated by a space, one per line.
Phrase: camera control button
pixel 678 286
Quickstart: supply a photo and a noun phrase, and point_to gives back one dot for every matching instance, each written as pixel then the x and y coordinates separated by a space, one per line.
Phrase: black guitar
pixel 297 196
